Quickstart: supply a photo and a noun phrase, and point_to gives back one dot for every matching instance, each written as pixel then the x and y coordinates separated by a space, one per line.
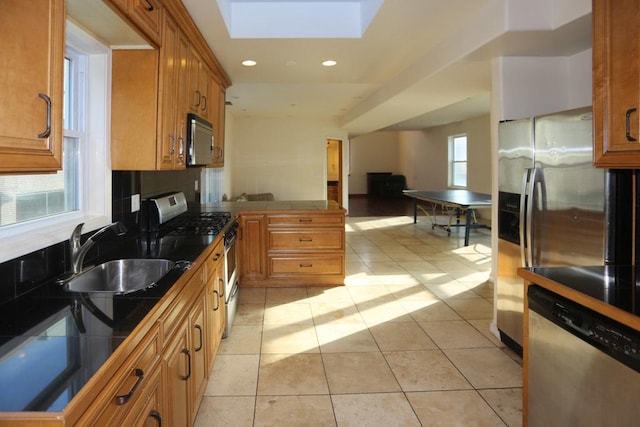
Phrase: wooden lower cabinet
pixel 292 248
pixel 177 375
pixel 215 297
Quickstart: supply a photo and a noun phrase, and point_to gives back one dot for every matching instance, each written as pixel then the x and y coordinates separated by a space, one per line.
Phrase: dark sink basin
pixel 121 276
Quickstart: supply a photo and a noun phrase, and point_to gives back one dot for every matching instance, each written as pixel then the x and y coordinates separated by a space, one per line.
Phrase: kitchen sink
pixel 120 276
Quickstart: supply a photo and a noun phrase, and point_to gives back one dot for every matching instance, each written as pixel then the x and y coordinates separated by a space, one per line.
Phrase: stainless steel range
pixel 166 217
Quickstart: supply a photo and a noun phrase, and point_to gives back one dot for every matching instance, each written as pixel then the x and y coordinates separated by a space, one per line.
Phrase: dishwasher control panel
pixel 617 340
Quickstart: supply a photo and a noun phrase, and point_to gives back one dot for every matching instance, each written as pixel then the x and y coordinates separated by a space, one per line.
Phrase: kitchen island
pixel 289 243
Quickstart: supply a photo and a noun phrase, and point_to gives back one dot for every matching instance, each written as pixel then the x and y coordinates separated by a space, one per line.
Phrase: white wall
pixel 424 155
pixel 283 156
pixel 374 152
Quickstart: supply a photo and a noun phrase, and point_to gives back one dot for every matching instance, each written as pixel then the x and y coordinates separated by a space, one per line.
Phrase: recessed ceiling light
pixel 329 63
pixel 249 62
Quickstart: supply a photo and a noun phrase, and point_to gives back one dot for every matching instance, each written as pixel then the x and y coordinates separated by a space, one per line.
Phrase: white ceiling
pixel 419 63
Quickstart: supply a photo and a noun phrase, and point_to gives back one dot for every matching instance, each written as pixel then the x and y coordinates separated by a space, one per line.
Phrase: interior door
pixel 334 170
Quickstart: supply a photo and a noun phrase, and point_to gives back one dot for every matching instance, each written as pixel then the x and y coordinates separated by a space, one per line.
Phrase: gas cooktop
pixel 206 223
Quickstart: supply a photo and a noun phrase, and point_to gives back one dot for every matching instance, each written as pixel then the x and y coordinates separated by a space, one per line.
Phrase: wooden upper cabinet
pixel 217 96
pixel 616 83
pixel 31 77
pixel 146 15
pixel 199 102
pixel 173 89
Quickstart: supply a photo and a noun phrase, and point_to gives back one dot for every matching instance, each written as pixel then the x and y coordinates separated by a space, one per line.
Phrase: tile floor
pixel 405 343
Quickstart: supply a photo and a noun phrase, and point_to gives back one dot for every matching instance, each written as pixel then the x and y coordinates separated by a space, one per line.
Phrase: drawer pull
pixel 305 220
pixel 628 119
pixel 306 265
pixel 188 353
pixel 306 240
pixel 217 256
pixel 156 416
pixel 47 131
pixel 121 400
pixel 217 299
pixel 221 287
pixel 149 7
pixel 199 328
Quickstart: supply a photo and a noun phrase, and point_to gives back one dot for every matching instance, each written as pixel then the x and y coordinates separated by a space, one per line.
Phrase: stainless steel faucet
pixel 79 251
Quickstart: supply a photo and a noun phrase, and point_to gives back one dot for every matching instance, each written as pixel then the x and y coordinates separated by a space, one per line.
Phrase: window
pixel 458 161
pixel 39 210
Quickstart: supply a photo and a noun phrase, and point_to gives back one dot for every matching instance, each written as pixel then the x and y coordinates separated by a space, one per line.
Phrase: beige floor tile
pixel 332 295
pixel 487 367
pixel 374 312
pixel 401 336
pixel 413 291
pixel 285 295
pixel 345 337
pixel 234 375
pixel 291 374
pixel 381 409
pixel 252 295
pixel 375 257
pixel 429 310
pixel 243 339
pixel 453 408
pixel 279 411
pixel 338 312
pixel 226 411
pixel 361 294
pixel 386 268
pixel 455 334
pixel 425 370
pixel 435 277
pixel 452 289
pixel 471 308
pixel 287 313
pixel 294 338
pixel 358 373
pixel 507 402
pixel 484 327
pixel 249 314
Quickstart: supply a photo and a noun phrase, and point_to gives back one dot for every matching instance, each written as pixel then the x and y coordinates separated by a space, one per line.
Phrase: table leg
pixel 467 228
pixel 415 211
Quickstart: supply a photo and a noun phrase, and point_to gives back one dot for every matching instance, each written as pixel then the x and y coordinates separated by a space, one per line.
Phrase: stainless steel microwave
pixel 199 141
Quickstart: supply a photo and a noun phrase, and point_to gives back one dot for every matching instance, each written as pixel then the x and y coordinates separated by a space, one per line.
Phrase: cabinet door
pixel 216 95
pixel 200 335
pixel 173 78
pixel 252 247
pixel 178 373
pixel 215 302
pixel 31 77
pixel 148 412
pixel 147 15
pixel 616 83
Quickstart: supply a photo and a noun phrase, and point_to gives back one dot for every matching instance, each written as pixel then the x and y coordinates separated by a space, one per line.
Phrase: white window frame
pixel 453 161
pixel 95 165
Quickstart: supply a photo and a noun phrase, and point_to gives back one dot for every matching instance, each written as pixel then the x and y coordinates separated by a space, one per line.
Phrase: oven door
pixel 231 287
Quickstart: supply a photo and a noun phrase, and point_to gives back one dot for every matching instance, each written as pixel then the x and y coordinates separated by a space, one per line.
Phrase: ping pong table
pixel 454 203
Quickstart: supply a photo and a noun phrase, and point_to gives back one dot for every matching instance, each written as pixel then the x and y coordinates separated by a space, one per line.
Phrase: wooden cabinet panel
pixel 178 372
pixel 127 387
pixel 616 83
pixel 306 265
pixel 313 240
pixel 147 14
pixel 252 247
pixel 32 46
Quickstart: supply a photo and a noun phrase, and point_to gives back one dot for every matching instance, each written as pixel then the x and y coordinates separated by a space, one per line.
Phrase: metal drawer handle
pixel 198 96
pixel 121 400
pixel 630 111
pixel 305 220
pixel 217 298
pixel 156 416
pixel 199 328
pixel 217 256
pixel 306 265
pixel 149 7
pixel 47 131
pixel 221 292
pixel 306 240
pixel 204 103
pixel 188 353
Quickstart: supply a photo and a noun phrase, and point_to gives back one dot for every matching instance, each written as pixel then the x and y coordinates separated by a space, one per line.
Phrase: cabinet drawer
pixel 306 220
pixel 317 265
pixel 306 240
pixel 128 385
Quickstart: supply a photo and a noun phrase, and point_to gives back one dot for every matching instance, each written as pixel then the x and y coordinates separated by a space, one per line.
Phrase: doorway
pixel 334 170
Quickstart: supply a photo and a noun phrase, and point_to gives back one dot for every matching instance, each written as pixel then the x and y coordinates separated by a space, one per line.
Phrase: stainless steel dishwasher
pixel 584 368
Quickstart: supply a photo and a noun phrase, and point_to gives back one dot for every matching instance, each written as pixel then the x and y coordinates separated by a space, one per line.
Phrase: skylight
pixel 298 18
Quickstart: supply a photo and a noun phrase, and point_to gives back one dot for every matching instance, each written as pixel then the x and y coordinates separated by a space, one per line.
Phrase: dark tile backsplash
pixel 27 272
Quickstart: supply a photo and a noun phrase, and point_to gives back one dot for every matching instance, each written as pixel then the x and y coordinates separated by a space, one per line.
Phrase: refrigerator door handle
pixel 526 214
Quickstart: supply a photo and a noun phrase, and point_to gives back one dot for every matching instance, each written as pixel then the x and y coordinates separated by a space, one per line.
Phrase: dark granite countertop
pixel 277 205
pixel 52 341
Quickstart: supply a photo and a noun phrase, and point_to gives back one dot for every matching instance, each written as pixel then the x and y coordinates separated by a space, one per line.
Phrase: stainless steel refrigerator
pixel 554 207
